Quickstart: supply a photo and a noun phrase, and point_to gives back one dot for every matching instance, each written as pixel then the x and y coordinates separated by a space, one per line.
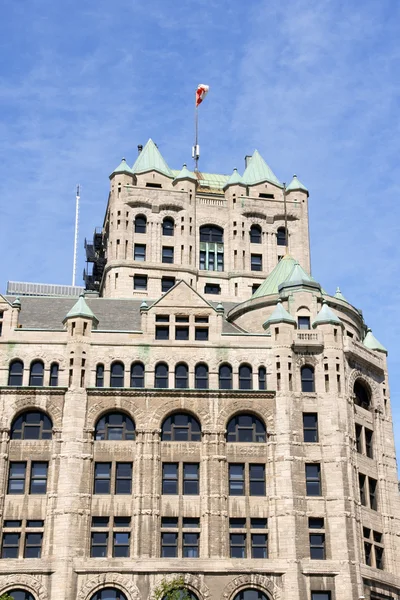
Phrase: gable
pixel 182 295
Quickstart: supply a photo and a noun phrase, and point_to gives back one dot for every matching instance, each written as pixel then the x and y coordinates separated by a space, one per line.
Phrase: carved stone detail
pixel 22 581
pixel 103 580
pixel 253 580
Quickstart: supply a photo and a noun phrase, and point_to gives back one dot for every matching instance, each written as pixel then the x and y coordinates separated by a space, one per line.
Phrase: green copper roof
pixel 81 309
pixel 279 274
pixel 326 315
pixel 16 303
pixel 339 295
pixel 258 171
pixel 234 179
pixel 207 180
pixel 372 343
pixel 279 315
pixel 298 277
pixel 123 167
pixel 184 173
pixel 150 159
pixel 296 184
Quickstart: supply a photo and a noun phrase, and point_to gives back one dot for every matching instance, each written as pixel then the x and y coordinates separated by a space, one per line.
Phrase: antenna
pixel 76 233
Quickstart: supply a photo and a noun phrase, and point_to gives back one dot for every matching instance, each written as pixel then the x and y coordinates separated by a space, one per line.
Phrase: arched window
pixel 140 224
pixel 16 372
pixel 115 426
pixel 362 395
pixel 36 373
pixel 137 375
pixel 281 236
pixel 100 376
pixel 245 377
pixel 245 428
pixel 109 594
pixel 53 381
pixel 307 379
pixel 225 377
pixel 211 248
pixel 262 378
pixel 181 376
pixel 184 593
pixel 117 375
pixel 255 234
pixel 181 427
pixel 32 425
pixel 161 376
pixel 20 594
pixel 201 376
pixel 168 226
pixel 251 594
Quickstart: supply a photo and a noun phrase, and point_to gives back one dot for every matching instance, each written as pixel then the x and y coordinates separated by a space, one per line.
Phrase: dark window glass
pixel 169 545
pixel 161 376
pixel 100 376
pixel 212 288
pixel 162 332
pixel 256 262
pixel 167 283
pixel 137 375
pixel 359 431
pixel 372 493
pixel 201 319
pixel 123 478
pixel 317 546
pixel 13 523
pixel 170 478
pixel 15 373
pixel 255 287
pixel 53 375
pixel 140 224
pixel 33 545
pixel 190 522
pixel 238 545
pixel 162 318
pixel 16 478
pixel 169 522
pixel 32 425
pixel 115 426
pixel 313 479
pixel 257 480
pixel 258 523
pixel 281 236
pixel 140 282
pixel 201 377
pixel 121 544
pixel 191 545
pixel 310 427
pixel 168 254
pixel 140 252
pixel 250 594
pixel 181 376
pixel 307 379
pixel 10 545
pixel 236 479
pixel 259 545
pixel 168 226
pixel 303 322
pixel 181 319
pixel 36 374
pixel 255 234
pixel 99 542
pixel 20 595
pixel 191 479
pixel 201 334
pixel 362 486
pixel 316 523
pixel 237 523
pixel 378 557
pixel 262 378
pixel 211 233
pixel 368 553
pixel 320 596
pixel 109 594
pixel 117 375
pixel 38 483
pixel 245 377
pixel 245 428
pixel 100 521
pixel 181 427
pixel 368 443
pixel 362 395
pixel 182 333
pixel 225 377
pixel 122 521
pixel 102 478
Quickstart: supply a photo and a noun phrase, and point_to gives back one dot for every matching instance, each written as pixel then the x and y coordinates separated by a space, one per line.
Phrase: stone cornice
pixel 174 392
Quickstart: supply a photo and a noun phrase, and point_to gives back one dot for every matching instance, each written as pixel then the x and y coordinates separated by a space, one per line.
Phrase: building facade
pixel 205 415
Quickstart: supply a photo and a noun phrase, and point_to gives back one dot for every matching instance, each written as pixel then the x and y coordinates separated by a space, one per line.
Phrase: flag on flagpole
pixel 201 93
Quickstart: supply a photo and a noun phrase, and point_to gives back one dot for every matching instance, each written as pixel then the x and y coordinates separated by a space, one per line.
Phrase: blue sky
pixel 314 86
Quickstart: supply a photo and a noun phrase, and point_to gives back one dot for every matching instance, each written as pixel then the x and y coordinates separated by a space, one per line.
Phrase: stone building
pixel 206 414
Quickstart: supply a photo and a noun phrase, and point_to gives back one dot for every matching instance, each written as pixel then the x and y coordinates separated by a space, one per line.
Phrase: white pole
pixel 76 234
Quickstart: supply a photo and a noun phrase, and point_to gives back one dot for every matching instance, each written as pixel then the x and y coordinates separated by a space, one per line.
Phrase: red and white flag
pixel 201 93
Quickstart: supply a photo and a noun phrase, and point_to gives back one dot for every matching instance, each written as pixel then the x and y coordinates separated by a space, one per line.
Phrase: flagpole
pixel 76 234
pixel 285 210
pixel 196 138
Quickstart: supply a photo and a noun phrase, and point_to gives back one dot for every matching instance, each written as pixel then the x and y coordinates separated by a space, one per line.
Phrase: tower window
pixel 36 374
pixel 140 224
pixel 140 252
pixel 255 234
pixel 212 288
pixel 307 379
pixel 168 226
pixel 167 283
pixel 256 262
pixel 168 254
pixel 140 282
pixel 281 236
pixel 303 322
pixel 117 375
pixel 211 256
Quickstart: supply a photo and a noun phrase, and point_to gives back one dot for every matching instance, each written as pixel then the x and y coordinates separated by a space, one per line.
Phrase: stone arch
pixel 241 406
pixel 181 404
pixel 51 408
pixel 104 580
pixel 117 403
pixel 371 385
pixel 254 581
pixel 24 582
pixel 193 582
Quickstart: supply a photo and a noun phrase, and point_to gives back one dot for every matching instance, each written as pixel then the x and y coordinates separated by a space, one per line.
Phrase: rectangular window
pixel 121 541
pixel 10 545
pixel 181 319
pixel 303 323
pixel 236 479
pixel 140 252
pixel 212 288
pixel 102 477
pixel 238 545
pixel 368 443
pixel 255 287
pixel 162 332
pixel 33 545
pixel 317 546
pixel 201 334
pixel 259 548
pixel 16 478
pixel 167 283
pixel 313 479
pixel 310 427
pixel 256 262
pixel 181 333
pixel 99 543
pixel 191 545
pixel 140 282
pixel 359 432
pixel 168 254
pixel 373 548
pixel 320 596
pixel 362 485
pixel 372 493
pixel 257 480
pixel 169 545
pixel 170 478
pixel 191 478
pixel 123 478
pixel 38 483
